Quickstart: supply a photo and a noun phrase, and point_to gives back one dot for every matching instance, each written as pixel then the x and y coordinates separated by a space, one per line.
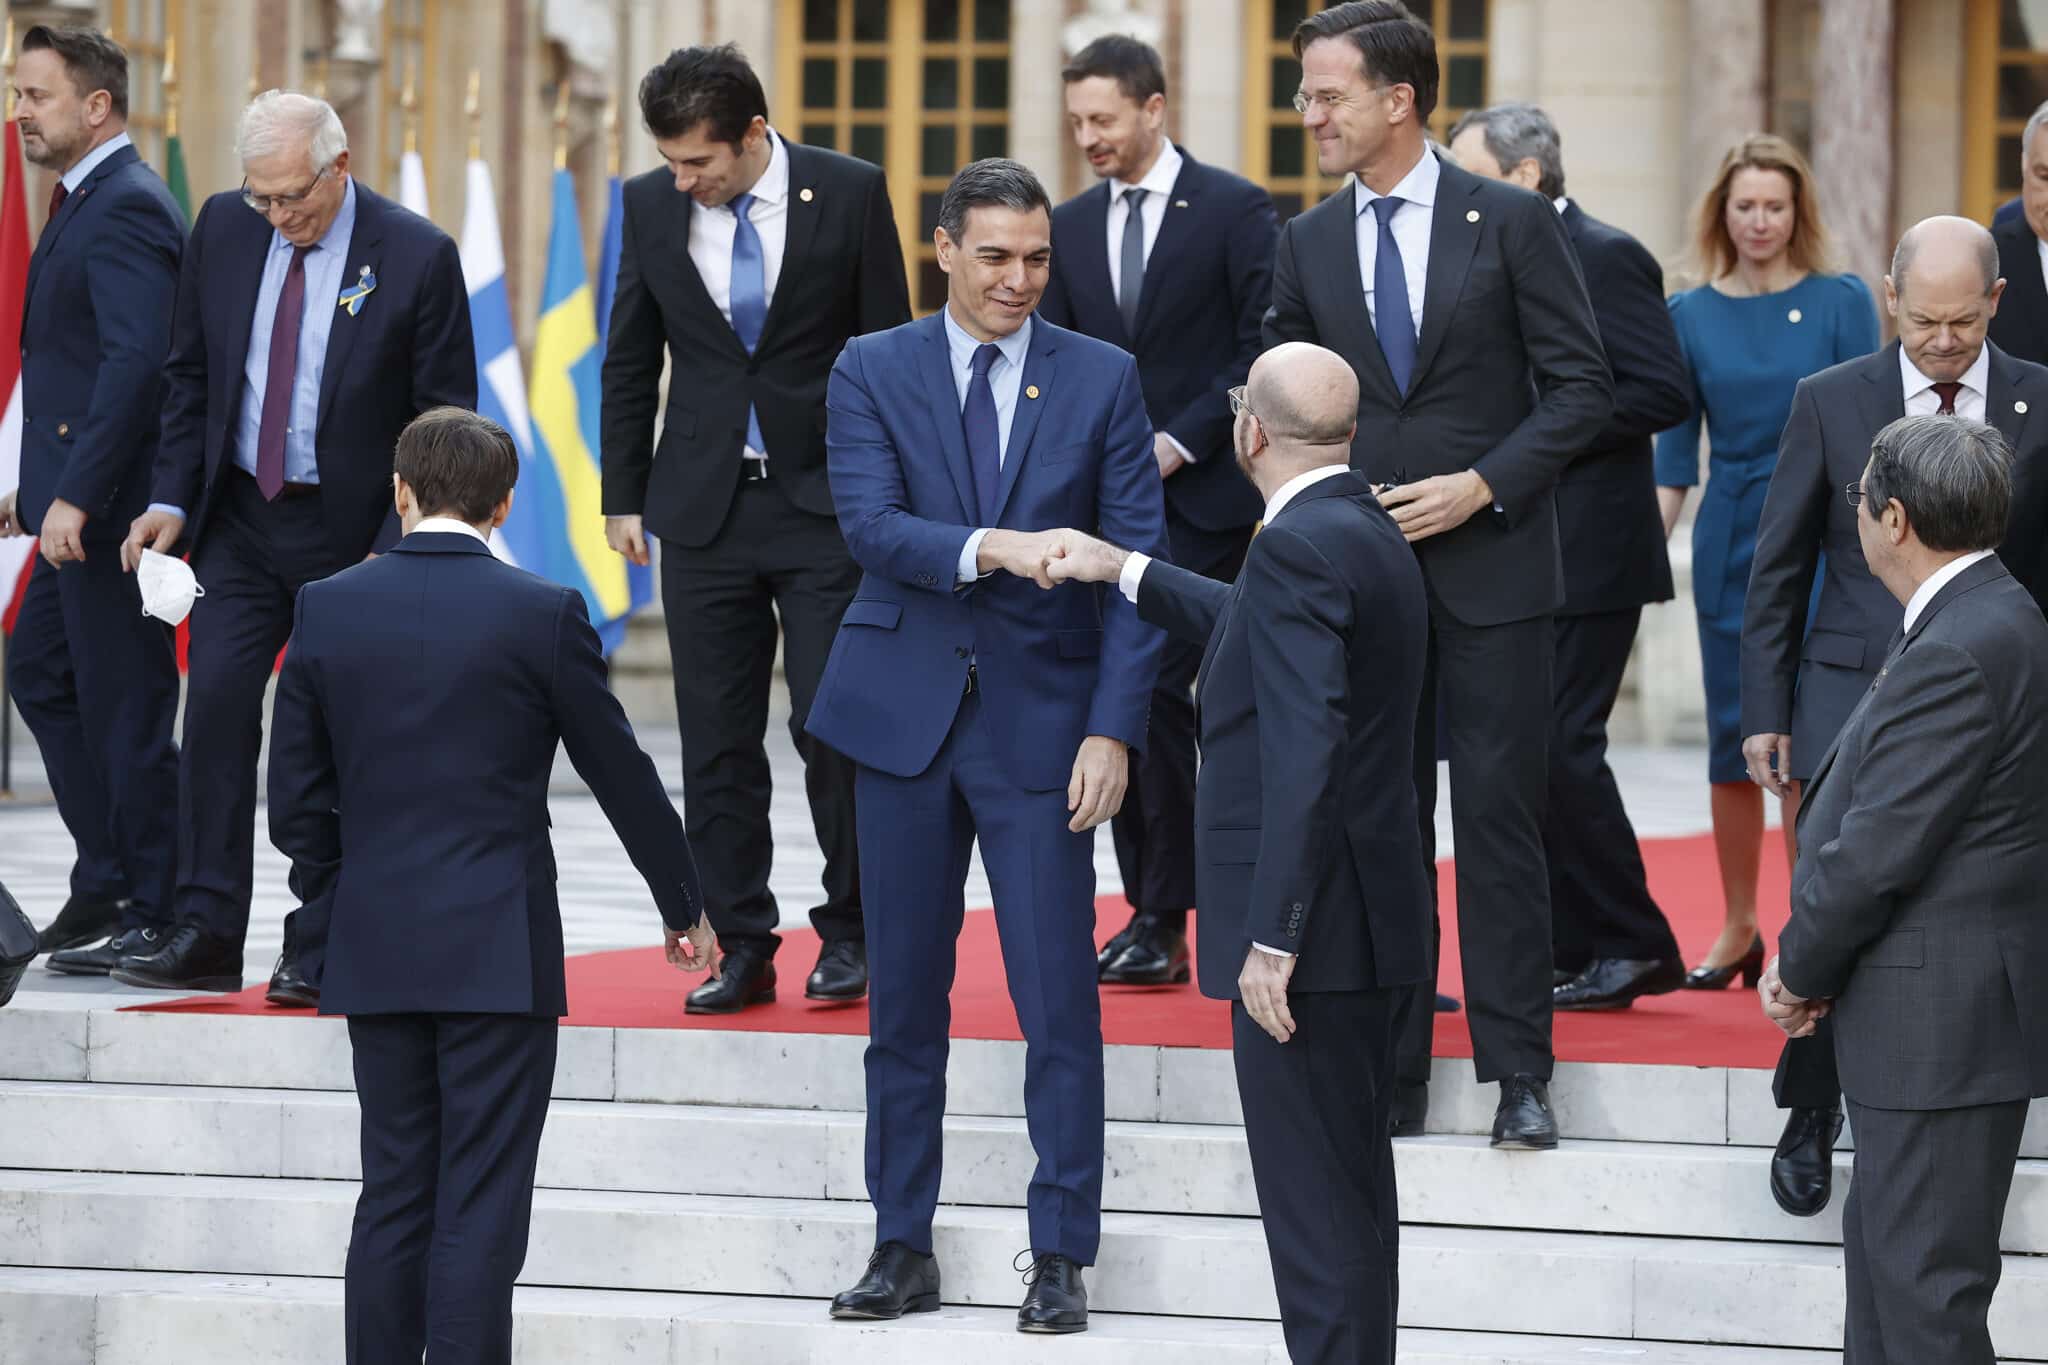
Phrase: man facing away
pixel 415 730
pixel 977 707
pixel 1172 260
pixel 1315 913
pixel 1916 900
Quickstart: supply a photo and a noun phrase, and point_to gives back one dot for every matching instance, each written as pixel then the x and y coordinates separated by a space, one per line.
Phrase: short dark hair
pixel 994 182
pixel 458 463
pixel 1398 48
pixel 1133 65
pixel 1952 475
pixel 92 60
pixel 707 85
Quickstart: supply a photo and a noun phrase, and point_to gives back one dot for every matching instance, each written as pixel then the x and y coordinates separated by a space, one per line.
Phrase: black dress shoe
pixel 841 973
pixel 1803 1167
pixel 189 960
pixel 898 1281
pixel 744 978
pixel 79 923
pixel 1057 1301
pixel 1613 983
pixel 1448 1004
pixel 290 988
pixel 1154 956
pixel 1560 975
pixel 1411 1108
pixel 103 959
pixel 1524 1121
pixel 1750 967
pixel 1119 941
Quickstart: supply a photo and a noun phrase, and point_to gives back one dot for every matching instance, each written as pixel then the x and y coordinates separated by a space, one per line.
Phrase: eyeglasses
pixel 1330 100
pixel 1239 403
pixel 264 203
pixel 1854 493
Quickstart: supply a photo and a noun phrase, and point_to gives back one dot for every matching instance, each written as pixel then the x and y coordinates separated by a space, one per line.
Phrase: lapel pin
pixel 1472 215
pixel 1180 203
pixel 806 195
pixel 2020 406
pixel 1031 392
pixel 352 299
pixel 1795 316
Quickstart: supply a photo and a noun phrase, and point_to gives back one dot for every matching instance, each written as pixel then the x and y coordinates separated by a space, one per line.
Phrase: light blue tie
pixel 749 296
pixel 1391 316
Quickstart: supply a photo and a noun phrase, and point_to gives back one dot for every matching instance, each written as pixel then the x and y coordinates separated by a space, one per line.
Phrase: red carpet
pixel 636 988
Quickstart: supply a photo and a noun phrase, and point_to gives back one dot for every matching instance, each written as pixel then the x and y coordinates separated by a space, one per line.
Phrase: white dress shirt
pixel 90 162
pixel 1936 581
pixel 1005 378
pixel 1411 232
pixel 448 525
pixel 711 236
pixel 1923 401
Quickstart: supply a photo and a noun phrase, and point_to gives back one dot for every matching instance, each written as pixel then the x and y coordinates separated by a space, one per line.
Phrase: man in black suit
pixel 1173 261
pixel 1802 674
pixel 1315 910
pixel 1611 943
pixel 415 730
pixel 1480 377
pixel 1916 900
pixel 96 680
pixel 2021 230
pixel 750 259
pixel 315 318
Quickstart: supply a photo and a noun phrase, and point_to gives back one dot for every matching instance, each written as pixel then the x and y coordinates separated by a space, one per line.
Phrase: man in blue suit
pixel 96 680
pixel 415 728
pixel 314 320
pixel 975 706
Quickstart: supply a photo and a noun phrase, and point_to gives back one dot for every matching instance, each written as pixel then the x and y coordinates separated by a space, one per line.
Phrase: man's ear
pixel 502 510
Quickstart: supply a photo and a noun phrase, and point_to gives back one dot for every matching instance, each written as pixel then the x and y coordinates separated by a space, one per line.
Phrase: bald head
pixel 1942 292
pixel 1949 249
pixel 1303 395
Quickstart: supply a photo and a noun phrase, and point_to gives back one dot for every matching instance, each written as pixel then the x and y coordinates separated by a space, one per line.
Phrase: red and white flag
pixel 17 553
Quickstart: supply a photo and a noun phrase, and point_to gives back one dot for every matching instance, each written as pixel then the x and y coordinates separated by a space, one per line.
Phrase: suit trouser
pixel 721 601
pixel 97 683
pixel 1600 902
pixel 1806 1077
pixel 1154 831
pixel 1316 1120
pixel 453 1107
pixel 915 834
pixel 252 561
pixel 1495 685
pixel 1920 1231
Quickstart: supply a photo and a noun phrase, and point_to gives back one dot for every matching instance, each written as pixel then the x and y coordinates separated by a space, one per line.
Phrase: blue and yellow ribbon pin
pixel 352 297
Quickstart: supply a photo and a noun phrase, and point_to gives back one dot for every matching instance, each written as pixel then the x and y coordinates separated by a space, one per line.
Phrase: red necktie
pixel 1947 394
pixel 278 379
pixel 58 194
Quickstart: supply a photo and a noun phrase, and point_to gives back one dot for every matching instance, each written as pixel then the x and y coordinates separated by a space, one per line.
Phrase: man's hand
pixel 1023 553
pixel 1263 987
pixel 154 530
pixel 63 533
pixel 1795 1014
pixel 626 535
pixel 1168 454
pixel 1432 506
pixel 10 520
pixel 1760 752
pixel 1670 502
pixel 1075 557
pixel 1096 790
pixel 694 949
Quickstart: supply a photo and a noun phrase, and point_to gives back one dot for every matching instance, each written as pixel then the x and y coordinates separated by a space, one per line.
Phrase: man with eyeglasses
pixel 1807 660
pixel 314 320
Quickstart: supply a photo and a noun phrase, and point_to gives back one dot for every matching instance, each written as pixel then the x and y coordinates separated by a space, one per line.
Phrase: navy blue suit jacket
pixel 1306 832
pixel 94 330
pixel 1055 666
pixel 1207 283
pixel 411 743
pixel 408 349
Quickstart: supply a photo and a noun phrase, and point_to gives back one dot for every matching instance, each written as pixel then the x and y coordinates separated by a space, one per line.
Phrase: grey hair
pixel 1952 475
pixel 1982 242
pixel 994 182
pixel 279 121
pixel 1516 133
pixel 2035 122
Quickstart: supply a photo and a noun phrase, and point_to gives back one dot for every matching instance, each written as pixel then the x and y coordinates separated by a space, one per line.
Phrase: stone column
pixel 1852 130
pixel 1210 92
pixel 1727 42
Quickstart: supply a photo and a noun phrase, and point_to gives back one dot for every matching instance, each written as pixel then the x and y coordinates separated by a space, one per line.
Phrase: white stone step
pixel 72 1317
pixel 1649 1189
pixel 1662 1289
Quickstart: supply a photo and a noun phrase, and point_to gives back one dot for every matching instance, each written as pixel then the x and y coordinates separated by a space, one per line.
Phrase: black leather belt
pixel 753 471
pixel 290 490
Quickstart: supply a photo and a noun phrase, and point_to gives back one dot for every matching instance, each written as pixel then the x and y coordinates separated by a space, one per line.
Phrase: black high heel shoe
pixel 1750 966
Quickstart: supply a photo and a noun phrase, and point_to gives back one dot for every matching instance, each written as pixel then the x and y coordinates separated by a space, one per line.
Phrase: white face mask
pixel 168 587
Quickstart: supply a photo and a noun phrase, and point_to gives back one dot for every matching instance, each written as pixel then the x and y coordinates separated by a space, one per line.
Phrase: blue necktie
pixel 984 437
pixel 749 295
pixel 1391 316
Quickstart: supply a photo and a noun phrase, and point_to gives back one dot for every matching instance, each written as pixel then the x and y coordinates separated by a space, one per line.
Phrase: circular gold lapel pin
pixel 1031 392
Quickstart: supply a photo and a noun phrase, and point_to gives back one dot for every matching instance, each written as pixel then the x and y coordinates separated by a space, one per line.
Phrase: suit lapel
pixel 1215 641
pixel 1173 233
pixel 363 243
pixel 936 358
pixel 1453 236
pixel 1884 393
pixel 676 228
pixel 1330 241
pixel 801 228
pixel 1087 266
pixel 2008 403
pixel 1040 366
pixel 2025 288
pixel 72 205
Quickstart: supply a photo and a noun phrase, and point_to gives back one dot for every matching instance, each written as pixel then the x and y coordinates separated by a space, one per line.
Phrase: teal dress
pixel 1746 356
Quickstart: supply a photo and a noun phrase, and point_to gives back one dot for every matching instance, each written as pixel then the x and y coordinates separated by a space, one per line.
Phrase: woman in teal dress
pixel 1770 313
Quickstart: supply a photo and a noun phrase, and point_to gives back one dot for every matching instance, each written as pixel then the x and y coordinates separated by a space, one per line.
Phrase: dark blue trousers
pixel 453 1107
pixel 915 837
pixel 97 683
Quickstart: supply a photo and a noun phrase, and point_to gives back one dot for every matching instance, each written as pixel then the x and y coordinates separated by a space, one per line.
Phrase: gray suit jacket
pixel 1802 677
pixel 1920 900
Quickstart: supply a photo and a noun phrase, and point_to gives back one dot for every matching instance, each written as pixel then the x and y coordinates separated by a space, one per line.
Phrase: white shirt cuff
pixel 1184 452
pixel 969 569
pixel 1270 952
pixel 1133 573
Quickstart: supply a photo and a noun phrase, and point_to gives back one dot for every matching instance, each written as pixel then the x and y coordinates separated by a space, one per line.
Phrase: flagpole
pixel 611 137
pixel 562 124
pixel 472 108
pixel 170 88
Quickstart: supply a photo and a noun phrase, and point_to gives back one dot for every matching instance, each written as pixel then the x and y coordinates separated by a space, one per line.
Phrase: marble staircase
pixel 178 1188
